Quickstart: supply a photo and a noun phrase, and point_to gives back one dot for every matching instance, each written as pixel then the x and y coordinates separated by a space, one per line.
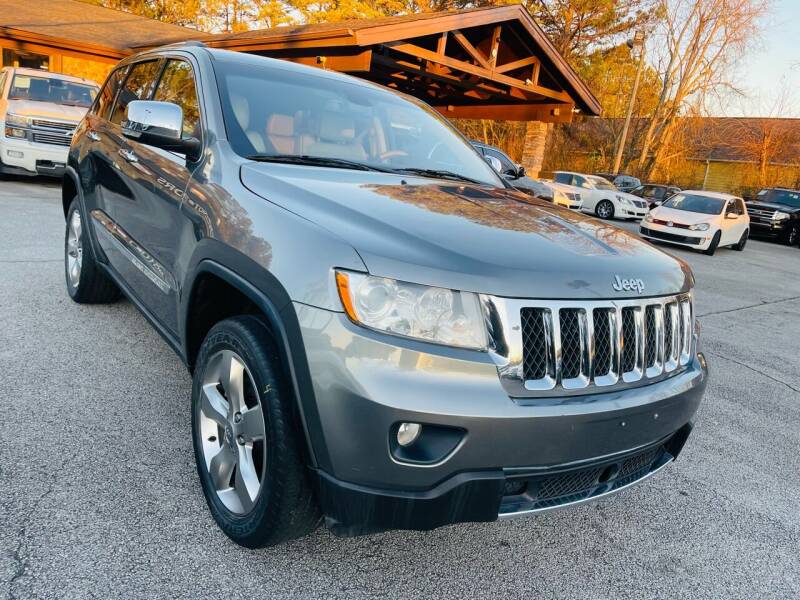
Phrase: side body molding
pixel 266 292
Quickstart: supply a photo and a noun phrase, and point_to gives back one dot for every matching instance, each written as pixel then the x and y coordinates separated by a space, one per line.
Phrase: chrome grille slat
pixel 574 345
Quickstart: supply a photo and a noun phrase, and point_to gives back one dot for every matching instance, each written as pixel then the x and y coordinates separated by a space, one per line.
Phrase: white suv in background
pixel 602 198
pixel 39 111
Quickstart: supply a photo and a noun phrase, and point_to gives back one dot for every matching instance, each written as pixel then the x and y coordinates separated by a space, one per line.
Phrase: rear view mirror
pixel 159 124
pixel 495 163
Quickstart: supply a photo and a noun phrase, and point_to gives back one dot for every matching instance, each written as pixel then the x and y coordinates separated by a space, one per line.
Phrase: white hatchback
pixel 699 219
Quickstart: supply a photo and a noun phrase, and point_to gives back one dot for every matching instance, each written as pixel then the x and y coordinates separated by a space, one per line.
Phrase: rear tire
pixel 742 241
pixel 714 244
pixel 86 283
pixel 604 209
pixel 245 434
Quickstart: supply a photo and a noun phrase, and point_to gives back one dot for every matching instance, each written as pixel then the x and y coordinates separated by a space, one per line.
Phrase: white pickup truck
pixel 602 198
pixel 39 111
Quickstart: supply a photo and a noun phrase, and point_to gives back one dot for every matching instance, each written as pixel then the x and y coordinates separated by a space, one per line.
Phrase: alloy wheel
pixel 74 249
pixel 231 422
pixel 604 210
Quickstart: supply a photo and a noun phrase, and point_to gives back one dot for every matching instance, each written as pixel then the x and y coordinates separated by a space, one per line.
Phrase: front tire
pixel 793 236
pixel 604 209
pixel 86 283
pixel 247 446
pixel 714 244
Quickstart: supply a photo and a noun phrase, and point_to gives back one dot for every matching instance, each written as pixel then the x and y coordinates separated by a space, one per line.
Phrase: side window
pixel 177 86
pixel 580 182
pixel 138 86
pixel 563 178
pixel 504 160
pixel 106 96
pixel 740 206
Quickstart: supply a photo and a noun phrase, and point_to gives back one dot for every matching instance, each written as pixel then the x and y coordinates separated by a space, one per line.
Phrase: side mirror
pixel 731 215
pixel 495 163
pixel 159 124
pixel 520 171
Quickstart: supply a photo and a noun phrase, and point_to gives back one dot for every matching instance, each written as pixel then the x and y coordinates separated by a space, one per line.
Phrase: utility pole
pixel 638 40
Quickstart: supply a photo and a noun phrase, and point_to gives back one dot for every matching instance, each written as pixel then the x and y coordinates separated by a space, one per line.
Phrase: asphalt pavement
pixel 99 497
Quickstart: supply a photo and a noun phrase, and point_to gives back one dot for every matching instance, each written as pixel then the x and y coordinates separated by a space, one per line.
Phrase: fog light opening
pixel 408 433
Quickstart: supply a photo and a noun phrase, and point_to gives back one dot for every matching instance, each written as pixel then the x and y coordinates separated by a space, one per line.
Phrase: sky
pixel 776 60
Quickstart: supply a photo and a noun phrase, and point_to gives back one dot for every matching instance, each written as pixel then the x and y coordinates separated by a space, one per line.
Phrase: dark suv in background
pixel 775 213
pixel 381 333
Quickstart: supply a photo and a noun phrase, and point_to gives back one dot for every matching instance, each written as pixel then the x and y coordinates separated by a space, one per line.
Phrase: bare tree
pixel 696 43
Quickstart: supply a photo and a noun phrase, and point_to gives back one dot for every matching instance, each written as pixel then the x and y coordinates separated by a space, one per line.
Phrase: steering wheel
pixel 436 146
pixel 384 156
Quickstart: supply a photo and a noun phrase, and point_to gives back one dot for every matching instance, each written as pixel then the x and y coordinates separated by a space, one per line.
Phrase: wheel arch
pixel 70 187
pixel 258 292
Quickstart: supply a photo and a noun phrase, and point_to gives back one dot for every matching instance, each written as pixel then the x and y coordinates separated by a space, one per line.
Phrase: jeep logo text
pixel 628 285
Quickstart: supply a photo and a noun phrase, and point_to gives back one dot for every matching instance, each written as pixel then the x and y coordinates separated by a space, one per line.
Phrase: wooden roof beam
pixel 548 113
pixel 471 50
pixel 460 65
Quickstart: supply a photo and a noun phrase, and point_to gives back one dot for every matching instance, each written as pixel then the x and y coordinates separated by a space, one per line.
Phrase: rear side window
pixel 563 178
pixel 138 86
pixel 177 86
pixel 106 97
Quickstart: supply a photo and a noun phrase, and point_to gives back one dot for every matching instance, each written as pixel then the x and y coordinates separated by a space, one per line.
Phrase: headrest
pixel 336 128
pixel 241 110
pixel 280 125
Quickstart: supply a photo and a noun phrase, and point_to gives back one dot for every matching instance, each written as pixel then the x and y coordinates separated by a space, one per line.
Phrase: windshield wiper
pixel 317 161
pixel 439 173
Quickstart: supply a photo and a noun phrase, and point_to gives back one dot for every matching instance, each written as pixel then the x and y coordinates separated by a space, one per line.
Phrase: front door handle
pixel 93 135
pixel 128 155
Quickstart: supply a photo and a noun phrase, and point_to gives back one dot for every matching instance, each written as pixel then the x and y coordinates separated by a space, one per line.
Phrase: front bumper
pixel 632 212
pixel 367 383
pixel 773 229
pixel 29 158
pixel 699 240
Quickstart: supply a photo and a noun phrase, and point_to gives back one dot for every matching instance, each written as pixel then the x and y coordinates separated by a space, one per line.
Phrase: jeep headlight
pixel 431 314
pixel 780 215
pixel 699 227
pixel 624 200
pixel 13 120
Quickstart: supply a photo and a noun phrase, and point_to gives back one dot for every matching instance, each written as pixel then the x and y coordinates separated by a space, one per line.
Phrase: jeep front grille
pixel 573 346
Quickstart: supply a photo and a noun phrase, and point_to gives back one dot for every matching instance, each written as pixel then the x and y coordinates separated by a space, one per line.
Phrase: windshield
pixel 601 183
pixel 786 197
pixel 51 89
pixel 273 111
pixel 695 203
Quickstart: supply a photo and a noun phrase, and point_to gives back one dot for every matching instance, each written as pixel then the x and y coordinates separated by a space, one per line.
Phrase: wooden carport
pixel 488 63
pixel 491 63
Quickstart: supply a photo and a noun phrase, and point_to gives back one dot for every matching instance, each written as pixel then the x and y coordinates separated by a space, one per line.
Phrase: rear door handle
pixel 128 155
pixel 93 135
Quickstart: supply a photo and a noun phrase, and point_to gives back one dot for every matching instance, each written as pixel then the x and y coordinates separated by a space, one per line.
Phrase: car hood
pixel 681 216
pixel 771 206
pixel 46 110
pixel 467 237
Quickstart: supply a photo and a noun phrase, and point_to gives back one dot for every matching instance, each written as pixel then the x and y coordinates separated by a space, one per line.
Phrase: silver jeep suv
pixel 381 333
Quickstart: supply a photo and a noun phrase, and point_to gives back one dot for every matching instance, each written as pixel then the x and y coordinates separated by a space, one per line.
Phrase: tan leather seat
pixel 332 135
pixel 241 110
pixel 280 132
